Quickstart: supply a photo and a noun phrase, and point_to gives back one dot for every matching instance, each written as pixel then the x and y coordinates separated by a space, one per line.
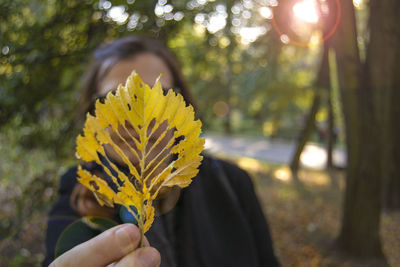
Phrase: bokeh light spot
pixel 221 108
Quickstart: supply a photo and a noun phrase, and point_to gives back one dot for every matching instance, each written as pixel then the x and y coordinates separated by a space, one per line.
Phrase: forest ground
pixel 305 219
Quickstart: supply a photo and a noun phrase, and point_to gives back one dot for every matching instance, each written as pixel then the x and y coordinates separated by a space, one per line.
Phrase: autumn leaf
pixel 154 136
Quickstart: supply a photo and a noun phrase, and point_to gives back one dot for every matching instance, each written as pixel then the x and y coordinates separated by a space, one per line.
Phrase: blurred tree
pixel 360 226
pixel 369 92
pixel 383 62
pixel 322 92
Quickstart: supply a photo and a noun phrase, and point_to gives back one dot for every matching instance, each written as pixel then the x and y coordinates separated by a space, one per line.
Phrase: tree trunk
pixel 322 82
pixel 383 64
pixel 331 131
pixel 228 79
pixel 359 234
pixel 228 96
pixel 305 134
pixel 322 85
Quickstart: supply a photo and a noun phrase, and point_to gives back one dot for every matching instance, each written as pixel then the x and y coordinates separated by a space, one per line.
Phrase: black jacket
pixel 217 221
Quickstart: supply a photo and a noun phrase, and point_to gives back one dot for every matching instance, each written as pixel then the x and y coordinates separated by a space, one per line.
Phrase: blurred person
pixel 216 221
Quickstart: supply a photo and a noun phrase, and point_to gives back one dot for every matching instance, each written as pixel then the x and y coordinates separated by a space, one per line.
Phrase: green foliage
pixel 28 184
pixel 24 175
pixel 46 44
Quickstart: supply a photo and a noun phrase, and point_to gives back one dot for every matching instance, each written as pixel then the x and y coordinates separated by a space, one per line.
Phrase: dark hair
pixel 109 54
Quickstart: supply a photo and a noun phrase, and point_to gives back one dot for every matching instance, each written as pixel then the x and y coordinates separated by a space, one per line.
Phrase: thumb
pixel 103 249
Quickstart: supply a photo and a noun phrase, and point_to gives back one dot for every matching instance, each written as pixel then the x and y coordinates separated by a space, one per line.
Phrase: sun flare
pixel 306 10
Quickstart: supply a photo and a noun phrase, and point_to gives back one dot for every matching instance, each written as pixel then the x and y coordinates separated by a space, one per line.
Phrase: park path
pixel 314 156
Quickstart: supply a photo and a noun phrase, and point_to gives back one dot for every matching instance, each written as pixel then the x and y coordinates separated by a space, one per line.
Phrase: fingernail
pixel 127 238
pixel 150 257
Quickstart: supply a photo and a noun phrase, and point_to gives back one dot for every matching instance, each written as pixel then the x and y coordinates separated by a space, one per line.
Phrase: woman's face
pixel 149 67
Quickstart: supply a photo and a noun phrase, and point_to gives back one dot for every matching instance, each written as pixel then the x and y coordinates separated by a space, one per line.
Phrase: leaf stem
pixel 141 227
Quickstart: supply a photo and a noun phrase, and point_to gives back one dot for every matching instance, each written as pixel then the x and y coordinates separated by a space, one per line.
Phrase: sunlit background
pixel 245 17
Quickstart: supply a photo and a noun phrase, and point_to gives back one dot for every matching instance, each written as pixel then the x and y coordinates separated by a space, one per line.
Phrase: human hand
pixel 117 247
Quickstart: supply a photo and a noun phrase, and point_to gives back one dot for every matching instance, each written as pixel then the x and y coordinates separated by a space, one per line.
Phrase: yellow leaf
pixel 154 135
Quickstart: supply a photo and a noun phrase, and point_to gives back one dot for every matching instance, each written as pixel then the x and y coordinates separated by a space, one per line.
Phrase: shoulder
pixel 237 177
pixel 212 162
pixel 233 169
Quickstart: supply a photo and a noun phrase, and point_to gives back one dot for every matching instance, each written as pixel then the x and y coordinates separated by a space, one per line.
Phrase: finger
pixel 143 257
pixel 146 242
pixel 104 249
